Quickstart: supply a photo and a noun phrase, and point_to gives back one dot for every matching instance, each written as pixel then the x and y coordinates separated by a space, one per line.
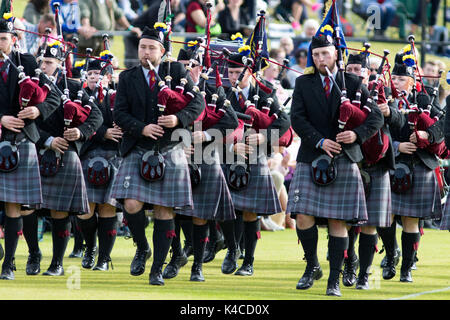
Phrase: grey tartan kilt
pixel 378 203
pixel 423 200
pixel 260 196
pixel 174 190
pixel 23 185
pixel 344 199
pixel 212 198
pixel 102 194
pixel 445 220
pixel 66 191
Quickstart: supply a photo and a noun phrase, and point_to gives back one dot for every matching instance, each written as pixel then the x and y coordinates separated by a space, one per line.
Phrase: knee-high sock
pixel 163 233
pixel 13 228
pixel 309 238
pixel 336 248
pixel 107 232
pixel 60 236
pixel 252 232
pixel 176 241
pixel 136 224
pixel 89 230
pixel 410 244
pixel 388 237
pixel 187 227
pixel 229 234
pixel 77 235
pixel 213 232
pixel 30 231
pixel 367 247
pixel 200 238
pixel 239 229
pixel 352 237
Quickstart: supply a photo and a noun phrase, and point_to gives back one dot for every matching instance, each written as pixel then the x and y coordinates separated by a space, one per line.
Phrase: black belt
pixel 14 137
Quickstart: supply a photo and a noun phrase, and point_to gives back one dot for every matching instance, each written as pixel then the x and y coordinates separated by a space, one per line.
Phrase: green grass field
pixel 278 267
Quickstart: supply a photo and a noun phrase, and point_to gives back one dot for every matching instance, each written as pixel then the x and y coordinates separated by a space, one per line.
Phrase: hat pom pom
pixel 160 26
pixel 244 50
pixel 8 16
pixel 409 60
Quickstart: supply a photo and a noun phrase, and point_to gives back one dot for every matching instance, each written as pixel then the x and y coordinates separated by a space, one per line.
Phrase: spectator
pixel 35 9
pixel 431 21
pixel 374 63
pixel 301 57
pixel 294 11
pixel 310 28
pixel 232 19
pixel 387 14
pixel 101 15
pixel 70 19
pixel 287 44
pixel 131 9
pixel 196 16
pixel 148 19
pixel 31 41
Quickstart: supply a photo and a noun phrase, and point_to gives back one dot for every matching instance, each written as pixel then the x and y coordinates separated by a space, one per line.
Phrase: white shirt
pixel 331 81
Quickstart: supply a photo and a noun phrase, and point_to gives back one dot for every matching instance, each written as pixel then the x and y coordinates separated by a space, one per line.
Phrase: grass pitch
pixel 278 266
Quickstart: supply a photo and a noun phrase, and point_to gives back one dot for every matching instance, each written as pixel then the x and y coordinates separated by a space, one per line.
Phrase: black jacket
pixel 314 118
pixel 10 102
pixel 54 125
pixel 135 106
pixel 282 123
pixel 98 139
pixel 436 131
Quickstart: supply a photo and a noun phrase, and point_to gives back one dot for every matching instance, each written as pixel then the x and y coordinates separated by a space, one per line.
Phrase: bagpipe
pixel 419 114
pixel 262 118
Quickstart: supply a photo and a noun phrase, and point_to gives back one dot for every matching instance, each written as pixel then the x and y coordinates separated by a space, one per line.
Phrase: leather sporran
pixel 9 156
pixel 238 176
pixel 152 166
pixel 99 171
pixel 49 162
pixel 323 170
pixel 402 178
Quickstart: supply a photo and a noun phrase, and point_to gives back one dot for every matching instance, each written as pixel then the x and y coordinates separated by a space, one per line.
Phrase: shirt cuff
pixel 231 148
pixel 395 144
pixel 207 136
pixel 48 142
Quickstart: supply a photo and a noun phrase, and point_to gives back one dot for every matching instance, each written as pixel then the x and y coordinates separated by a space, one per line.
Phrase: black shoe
pixel 196 273
pixel 88 261
pixel 229 264
pixel 245 270
pixel 172 269
pixel 103 264
pixel 333 288
pixel 349 273
pixel 389 270
pixel 397 255
pixel 210 253
pixel 2 252
pixel 220 244
pixel 8 270
pixel 363 282
pixel 76 253
pixel 406 276
pixel 34 263
pixel 156 279
pixel 138 264
pixel 311 274
pixel 55 269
